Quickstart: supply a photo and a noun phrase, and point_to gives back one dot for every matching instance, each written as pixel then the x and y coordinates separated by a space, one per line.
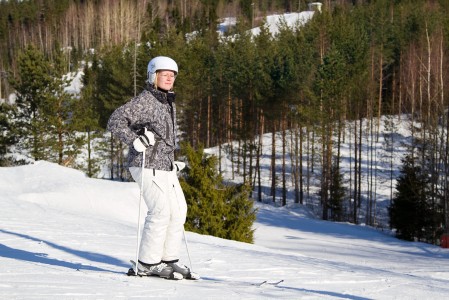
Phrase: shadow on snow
pixel 37 257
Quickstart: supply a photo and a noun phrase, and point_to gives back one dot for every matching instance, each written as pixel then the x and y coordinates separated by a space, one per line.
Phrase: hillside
pixel 65 236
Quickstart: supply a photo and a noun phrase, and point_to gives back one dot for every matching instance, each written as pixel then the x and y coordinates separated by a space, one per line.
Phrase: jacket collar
pixel 165 97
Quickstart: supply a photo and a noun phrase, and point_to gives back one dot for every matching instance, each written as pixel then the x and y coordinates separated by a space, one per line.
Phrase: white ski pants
pixel 167 210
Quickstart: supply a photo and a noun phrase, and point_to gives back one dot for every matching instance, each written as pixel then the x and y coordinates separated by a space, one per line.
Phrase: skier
pixel 147 123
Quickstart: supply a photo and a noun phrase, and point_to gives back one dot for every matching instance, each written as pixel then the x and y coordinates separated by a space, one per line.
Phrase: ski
pixel 193 276
pixel 142 273
pixel 260 284
pixel 273 283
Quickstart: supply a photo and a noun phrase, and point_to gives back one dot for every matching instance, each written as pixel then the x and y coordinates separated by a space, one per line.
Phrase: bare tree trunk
pixel 310 156
pixel 295 163
pixel 380 88
pixel 273 162
pixel 111 154
pixel 229 131
pixel 446 142
pixel 136 41
pixel 259 154
pixel 359 171
pixel 284 142
pixel 209 114
pixel 356 168
pixel 301 155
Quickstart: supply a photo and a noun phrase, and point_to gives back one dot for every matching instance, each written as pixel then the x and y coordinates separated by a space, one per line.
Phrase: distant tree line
pixel 78 26
pixel 315 86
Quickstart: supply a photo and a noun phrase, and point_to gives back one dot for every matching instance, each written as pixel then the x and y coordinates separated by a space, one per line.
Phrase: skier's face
pixel 166 79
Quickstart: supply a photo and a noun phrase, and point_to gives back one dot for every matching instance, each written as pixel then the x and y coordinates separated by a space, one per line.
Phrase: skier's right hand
pixel 179 165
pixel 144 141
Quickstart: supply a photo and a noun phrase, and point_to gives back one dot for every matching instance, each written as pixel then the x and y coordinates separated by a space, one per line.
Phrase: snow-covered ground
pixel 66 236
pixel 291 20
pixel 381 162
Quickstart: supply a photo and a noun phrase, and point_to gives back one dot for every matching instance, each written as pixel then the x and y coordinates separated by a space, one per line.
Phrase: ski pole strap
pixel 145 140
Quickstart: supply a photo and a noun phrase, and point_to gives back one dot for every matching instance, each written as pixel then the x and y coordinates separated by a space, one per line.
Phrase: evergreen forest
pixel 353 62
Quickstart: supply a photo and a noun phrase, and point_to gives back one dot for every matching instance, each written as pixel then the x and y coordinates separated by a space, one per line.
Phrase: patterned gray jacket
pixel 156 111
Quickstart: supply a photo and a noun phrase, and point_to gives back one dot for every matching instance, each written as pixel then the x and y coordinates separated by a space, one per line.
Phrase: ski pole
pixel 183 230
pixel 138 216
pixel 187 248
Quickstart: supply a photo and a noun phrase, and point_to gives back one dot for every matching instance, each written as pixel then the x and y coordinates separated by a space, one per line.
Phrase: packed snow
pixel 66 236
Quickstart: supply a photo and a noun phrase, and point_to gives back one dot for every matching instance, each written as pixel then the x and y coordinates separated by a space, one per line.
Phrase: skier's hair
pixel 155 79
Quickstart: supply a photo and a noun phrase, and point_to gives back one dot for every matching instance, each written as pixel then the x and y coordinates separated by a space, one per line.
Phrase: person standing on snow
pixel 147 123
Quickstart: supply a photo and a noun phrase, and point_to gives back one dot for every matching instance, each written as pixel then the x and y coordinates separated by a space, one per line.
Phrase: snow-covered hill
pixel 65 236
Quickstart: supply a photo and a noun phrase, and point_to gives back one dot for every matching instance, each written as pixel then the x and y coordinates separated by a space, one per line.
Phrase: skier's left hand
pixel 179 165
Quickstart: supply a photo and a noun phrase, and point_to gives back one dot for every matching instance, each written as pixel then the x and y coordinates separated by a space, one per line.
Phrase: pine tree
pixel 215 208
pixel 86 119
pixel 44 108
pixel 57 110
pixel 32 89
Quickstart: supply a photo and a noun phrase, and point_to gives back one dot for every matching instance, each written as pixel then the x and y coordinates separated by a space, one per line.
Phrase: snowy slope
pixel 65 236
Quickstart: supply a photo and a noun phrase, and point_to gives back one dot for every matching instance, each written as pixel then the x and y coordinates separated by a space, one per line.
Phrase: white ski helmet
pixel 160 63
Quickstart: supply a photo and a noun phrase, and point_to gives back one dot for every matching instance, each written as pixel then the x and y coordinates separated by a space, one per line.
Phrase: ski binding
pixel 142 273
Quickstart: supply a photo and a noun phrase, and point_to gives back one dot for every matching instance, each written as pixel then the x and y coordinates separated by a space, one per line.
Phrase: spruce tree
pixel 409 210
pixel 7 134
pixel 114 81
pixel 336 194
pixel 215 208
pixel 115 86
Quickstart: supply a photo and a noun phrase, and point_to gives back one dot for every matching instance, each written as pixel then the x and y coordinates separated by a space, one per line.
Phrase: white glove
pixel 144 141
pixel 179 165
